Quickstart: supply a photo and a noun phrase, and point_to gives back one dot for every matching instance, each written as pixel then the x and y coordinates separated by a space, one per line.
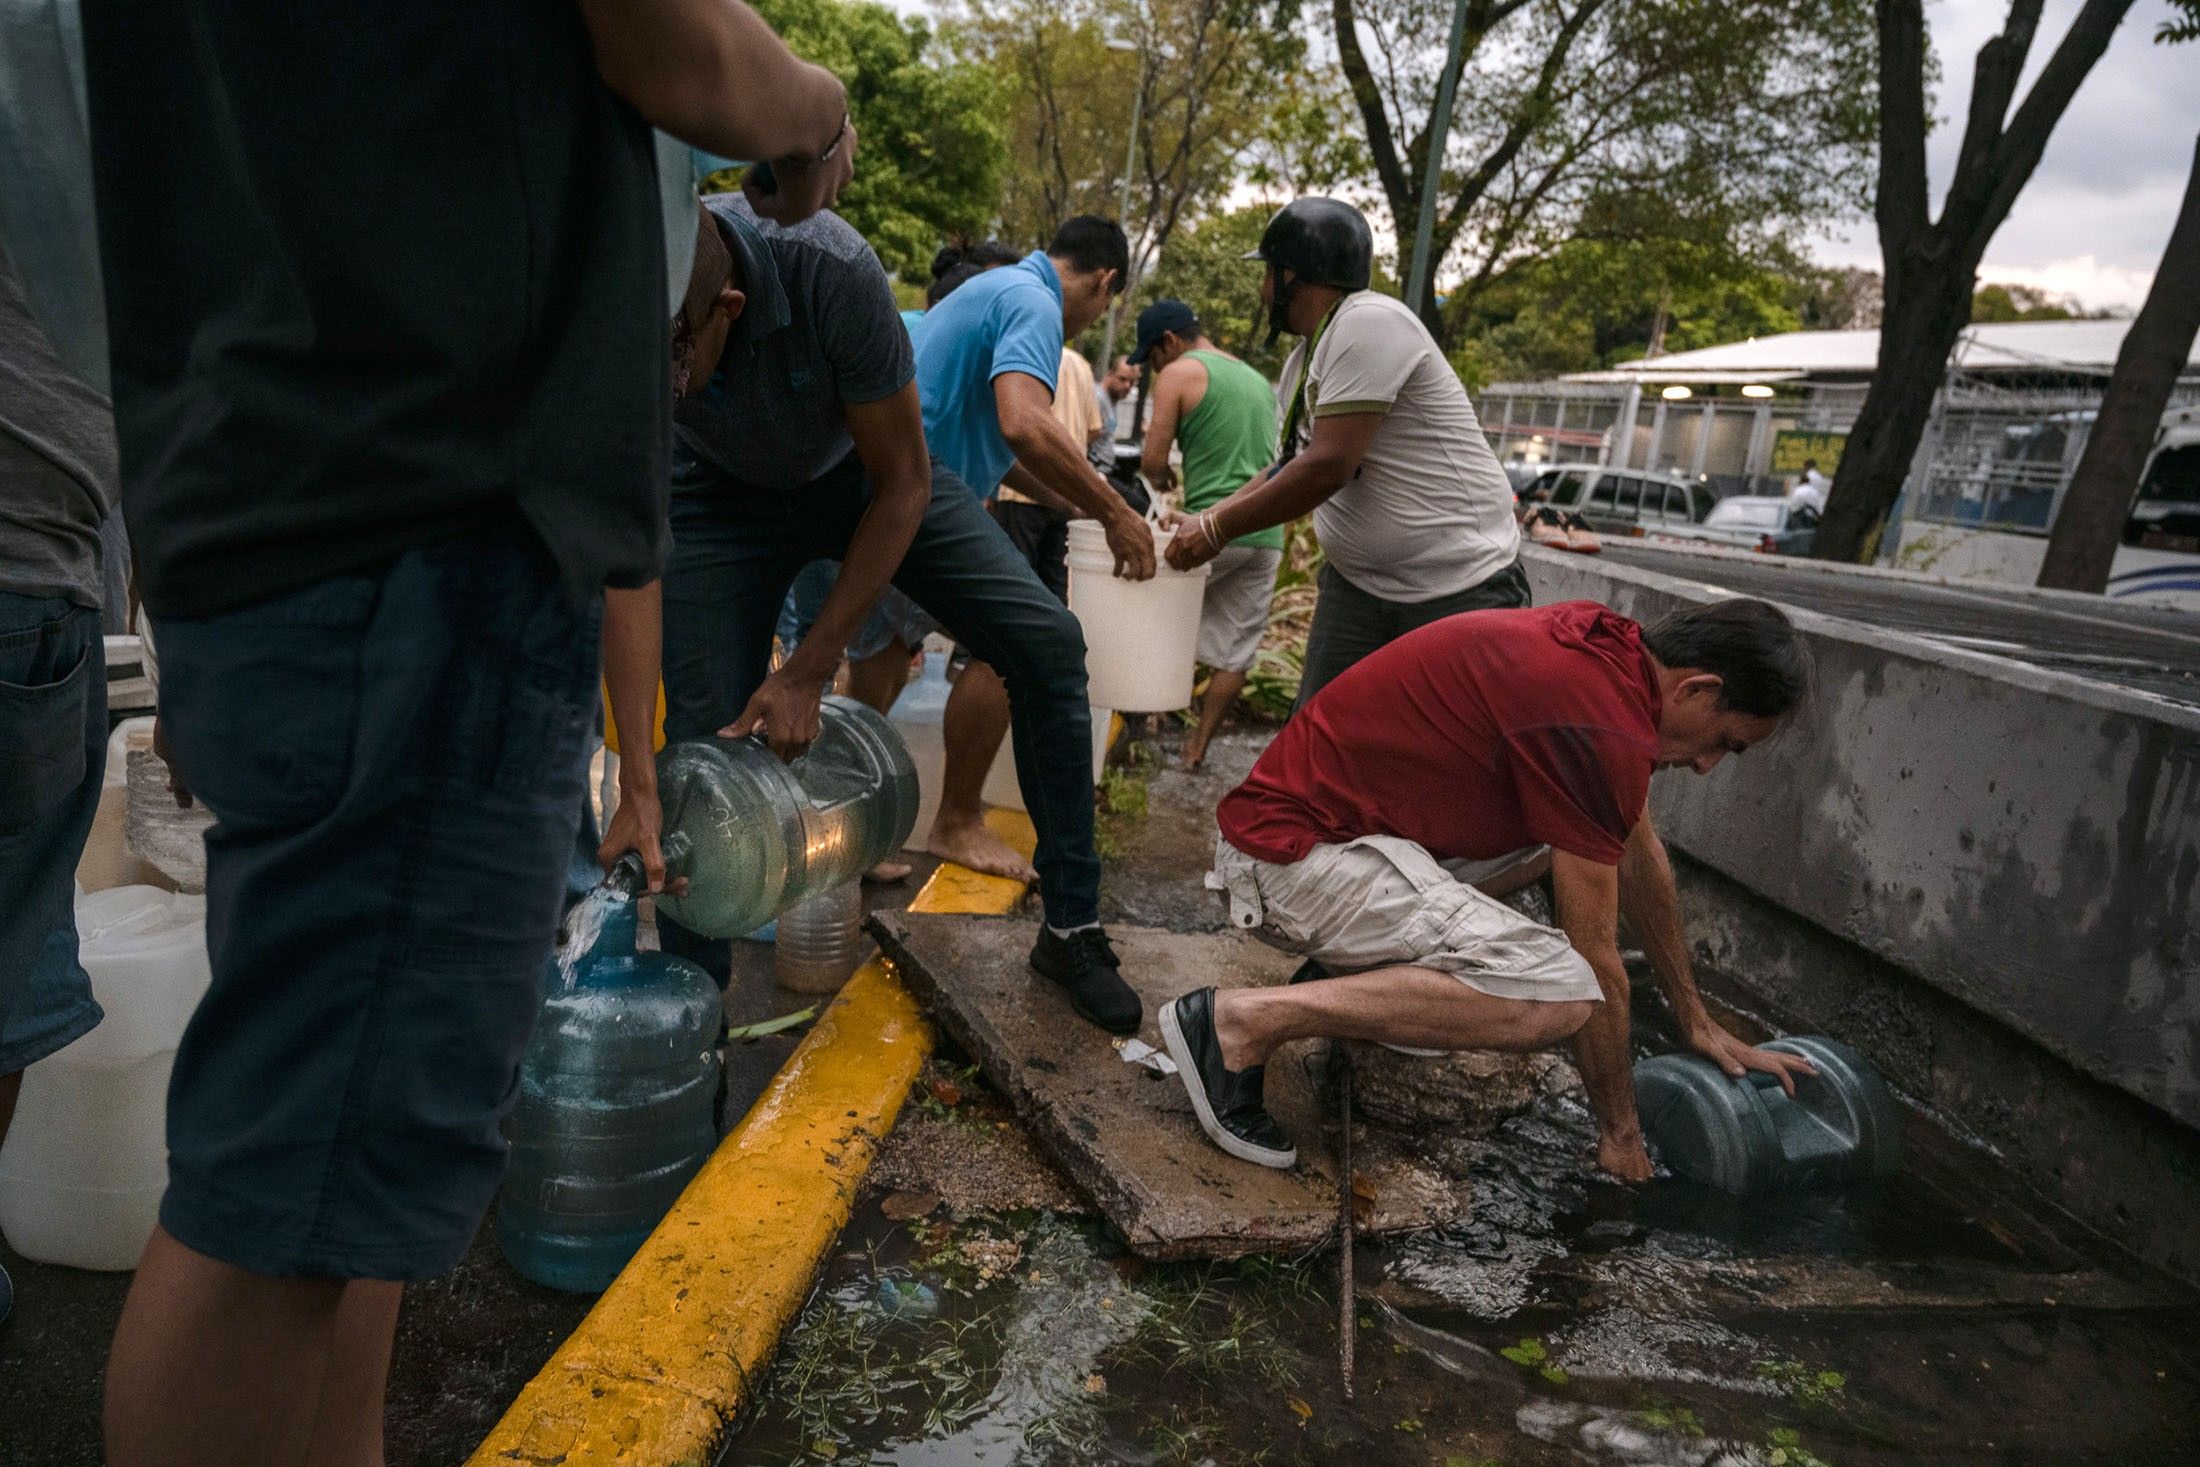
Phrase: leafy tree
pixel 1931 263
pixel 931 145
pixel 1205 268
pixel 1711 124
pixel 2019 303
pixel 1201 75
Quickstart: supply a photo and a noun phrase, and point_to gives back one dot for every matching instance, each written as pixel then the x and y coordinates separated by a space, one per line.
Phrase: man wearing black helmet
pixel 1379 443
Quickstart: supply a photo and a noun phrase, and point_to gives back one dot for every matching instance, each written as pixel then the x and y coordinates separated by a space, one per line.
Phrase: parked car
pixel 1767 523
pixel 1622 501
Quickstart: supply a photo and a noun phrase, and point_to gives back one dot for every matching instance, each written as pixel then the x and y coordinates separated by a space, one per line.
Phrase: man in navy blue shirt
pixel 801 439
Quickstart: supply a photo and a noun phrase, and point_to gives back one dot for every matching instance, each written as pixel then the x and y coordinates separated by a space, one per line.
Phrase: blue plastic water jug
pixel 1747 1137
pixel 614 1114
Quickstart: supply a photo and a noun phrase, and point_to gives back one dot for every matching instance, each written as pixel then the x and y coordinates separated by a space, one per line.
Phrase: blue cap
pixel 1155 321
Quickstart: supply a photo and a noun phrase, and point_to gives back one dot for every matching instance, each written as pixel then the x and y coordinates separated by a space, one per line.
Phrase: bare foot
pixel 977 847
pixel 888 871
pixel 1624 1157
pixel 1194 752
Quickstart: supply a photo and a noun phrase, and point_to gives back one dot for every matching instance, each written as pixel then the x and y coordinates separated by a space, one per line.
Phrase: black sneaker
pixel 1084 966
pixel 1228 1102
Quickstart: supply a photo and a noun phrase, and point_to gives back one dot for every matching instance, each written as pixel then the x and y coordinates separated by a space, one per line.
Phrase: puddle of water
pixel 1566 1322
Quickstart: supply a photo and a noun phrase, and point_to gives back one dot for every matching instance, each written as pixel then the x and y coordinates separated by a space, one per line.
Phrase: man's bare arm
pixel 889 439
pixel 633 659
pixel 712 73
pixel 1331 457
pixel 1026 483
pixel 1588 910
pixel 1047 452
pixel 1651 903
pixel 1168 392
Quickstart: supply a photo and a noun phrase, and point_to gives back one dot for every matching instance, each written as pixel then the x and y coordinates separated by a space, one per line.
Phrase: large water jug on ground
pixel 1748 1138
pixel 1140 636
pixel 917 716
pixel 86 1161
pixel 754 835
pixel 615 1106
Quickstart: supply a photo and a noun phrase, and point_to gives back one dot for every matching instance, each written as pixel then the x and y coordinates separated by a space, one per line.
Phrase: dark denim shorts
pixel 53 755
pixel 393 760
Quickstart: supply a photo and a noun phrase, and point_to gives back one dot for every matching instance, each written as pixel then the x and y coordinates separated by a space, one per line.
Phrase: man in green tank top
pixel 1222 414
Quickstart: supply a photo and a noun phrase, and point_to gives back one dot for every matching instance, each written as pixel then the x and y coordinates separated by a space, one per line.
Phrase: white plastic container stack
pixel 1140 636
pixel 1001 785
pixel 107 861
pixel 916 716
pixel 820 940
pixel 87 1158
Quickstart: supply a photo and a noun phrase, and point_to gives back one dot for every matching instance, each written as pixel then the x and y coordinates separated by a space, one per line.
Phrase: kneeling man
pixel 1453 766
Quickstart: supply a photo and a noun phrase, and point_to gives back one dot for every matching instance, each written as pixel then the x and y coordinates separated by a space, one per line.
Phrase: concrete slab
pixel 1125 1134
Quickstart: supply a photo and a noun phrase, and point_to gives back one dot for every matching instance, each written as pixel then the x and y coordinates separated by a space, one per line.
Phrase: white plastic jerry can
pixel 84 1165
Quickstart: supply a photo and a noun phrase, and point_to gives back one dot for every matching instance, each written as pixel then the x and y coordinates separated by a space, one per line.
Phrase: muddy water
pixel 1571 1321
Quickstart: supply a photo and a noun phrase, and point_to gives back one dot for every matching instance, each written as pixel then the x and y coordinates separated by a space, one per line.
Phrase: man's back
pixel 1005 320
pixel 1473 736
pixel 374 275
pixel 819 332
pixel 1228 436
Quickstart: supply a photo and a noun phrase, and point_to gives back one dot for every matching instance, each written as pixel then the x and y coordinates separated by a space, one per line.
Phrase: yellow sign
pixel 1791 449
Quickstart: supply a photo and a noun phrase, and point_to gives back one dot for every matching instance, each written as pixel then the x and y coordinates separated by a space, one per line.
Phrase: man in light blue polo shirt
pixel 987 357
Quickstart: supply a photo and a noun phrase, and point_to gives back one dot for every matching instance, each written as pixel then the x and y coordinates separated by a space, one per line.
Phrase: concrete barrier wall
pixel 2024 841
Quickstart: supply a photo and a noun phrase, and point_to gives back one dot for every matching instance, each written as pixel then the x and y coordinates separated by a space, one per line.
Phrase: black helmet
pixel 1322 241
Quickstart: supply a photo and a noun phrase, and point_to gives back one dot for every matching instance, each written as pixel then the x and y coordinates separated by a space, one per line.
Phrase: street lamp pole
pixel 1432 164
pixel 1123 207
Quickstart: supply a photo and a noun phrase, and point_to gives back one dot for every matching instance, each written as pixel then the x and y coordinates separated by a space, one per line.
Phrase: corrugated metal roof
pixel 2054 346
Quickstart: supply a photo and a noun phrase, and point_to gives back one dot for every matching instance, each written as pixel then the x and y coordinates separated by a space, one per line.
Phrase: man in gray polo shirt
pixel 800 438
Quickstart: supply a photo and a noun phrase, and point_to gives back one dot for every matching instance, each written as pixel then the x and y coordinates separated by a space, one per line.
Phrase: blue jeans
pixel 393 759
pixel 736 549
pixel 53 756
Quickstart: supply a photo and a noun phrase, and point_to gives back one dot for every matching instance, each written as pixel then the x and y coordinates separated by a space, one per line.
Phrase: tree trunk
pixel 2091 522
pixel 1914 347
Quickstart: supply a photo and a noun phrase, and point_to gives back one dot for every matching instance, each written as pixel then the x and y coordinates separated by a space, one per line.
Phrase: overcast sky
pixel 2096 215
pixel 2094 218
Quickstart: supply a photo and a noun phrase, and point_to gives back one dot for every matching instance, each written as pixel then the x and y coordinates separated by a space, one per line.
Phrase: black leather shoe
pixel 1084 966
pixel 1227 1102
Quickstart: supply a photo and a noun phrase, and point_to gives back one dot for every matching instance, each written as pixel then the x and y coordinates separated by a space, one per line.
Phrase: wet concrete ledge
pixel 1982 873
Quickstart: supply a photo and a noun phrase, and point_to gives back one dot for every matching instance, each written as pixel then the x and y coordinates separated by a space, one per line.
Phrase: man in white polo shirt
pixel 1414 515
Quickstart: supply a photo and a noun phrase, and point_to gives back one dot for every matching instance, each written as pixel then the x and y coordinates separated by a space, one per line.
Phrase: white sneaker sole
pixel 1187 1070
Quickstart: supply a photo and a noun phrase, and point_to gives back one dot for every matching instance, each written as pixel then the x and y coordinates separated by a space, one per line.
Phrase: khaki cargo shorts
pixel 1381 902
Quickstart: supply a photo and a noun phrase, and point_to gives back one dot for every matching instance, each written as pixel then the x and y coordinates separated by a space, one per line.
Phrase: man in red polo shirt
pixel 1449 768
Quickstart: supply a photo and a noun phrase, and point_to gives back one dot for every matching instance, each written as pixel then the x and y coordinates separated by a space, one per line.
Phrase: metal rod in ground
pixel 1348 1306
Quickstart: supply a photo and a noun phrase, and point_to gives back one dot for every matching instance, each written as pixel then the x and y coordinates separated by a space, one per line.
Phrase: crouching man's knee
pixel 1562 1021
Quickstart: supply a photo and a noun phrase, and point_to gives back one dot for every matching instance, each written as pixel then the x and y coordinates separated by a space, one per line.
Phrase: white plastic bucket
pixel 1001 785
pixel 86 1161
pixel 1140 636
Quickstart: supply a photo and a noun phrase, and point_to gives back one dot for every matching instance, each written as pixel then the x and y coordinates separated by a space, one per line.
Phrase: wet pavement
pixel 975 1313
pixel 1945 1316
pixel 466 1343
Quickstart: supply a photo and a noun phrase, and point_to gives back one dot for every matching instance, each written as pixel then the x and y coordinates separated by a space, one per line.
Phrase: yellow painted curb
pixel 672 1352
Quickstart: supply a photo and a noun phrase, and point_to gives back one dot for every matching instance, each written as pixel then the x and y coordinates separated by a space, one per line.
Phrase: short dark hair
pixel 963 260
pixel 1751 646
pixel 1091 243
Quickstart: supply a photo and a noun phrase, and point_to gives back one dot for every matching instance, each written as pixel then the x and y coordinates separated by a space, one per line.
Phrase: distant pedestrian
pixel 1112 395
pixel 1223 414
pixel 1810 490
